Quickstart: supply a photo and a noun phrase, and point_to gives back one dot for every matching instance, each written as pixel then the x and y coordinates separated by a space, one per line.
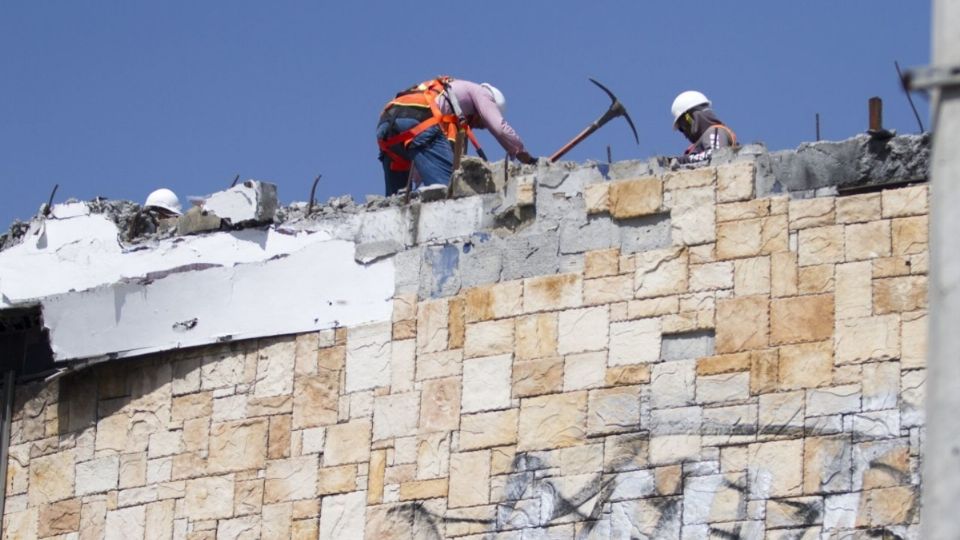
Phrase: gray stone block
pixel 645 233
pixel 686 345
pixel 481 260
pixel 531 255
pixel 588 233
pixel 406 266
pixel 440 271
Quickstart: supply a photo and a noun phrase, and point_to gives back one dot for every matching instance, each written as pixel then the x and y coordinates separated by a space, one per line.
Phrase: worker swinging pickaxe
pixel 616 109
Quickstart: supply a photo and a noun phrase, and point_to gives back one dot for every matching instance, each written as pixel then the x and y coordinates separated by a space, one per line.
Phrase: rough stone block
pixel 347 443
pixel 342 479
pixel 776 469
pixel 643 234
pixel 909 201
pixel 196 220
pixel 661 272
pixel 552 292
pixel 817 279
pixel 607 290
pixel 97 475
pixel 635 198
pixel 723 388
pixel 887 506
pixel 315 399
pixel 913 341
pixel 486 383
pixel 209 498
pixel 781 414
pixel 613 410
pixel 343 516
pixel 440 404
pixel 742 324
pixel 634 342
pixel 585 370
pixel 751 276
pixel 693 216
pixel 627 375
pixel 489 338
pixel 291 479
pixel 724 363
pixel 432 326
pixel 596 197
pixel 395 415
pixel 833 400
pixel 807 365
pixel 783 274
pixel 712 276
pixel 686 345
pixel 469 479
pixel 858 208
pixel 735 211
pixel 867 240
pixel 735 181
pixel 237 446
pixel 881 385
pixel 582 330
pixel 910 235
pixel 537 377
pixel 368 356
pixel 493 301
pixel 801 318
pixel 672 384
pixel 553 421
pixel 536 336
pixel 668 449
pixel 601 263
pixel 876 425
pixel 868 338
pixel 816 212
pixel 821 245
pixel 652 307
pixel 440 364
pixel 894 295
pixel 853 293
pixel 690 178
pixel 827 464
pixel 486 430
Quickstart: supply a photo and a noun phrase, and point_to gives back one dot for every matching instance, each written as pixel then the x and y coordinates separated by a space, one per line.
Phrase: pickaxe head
pixel 616 109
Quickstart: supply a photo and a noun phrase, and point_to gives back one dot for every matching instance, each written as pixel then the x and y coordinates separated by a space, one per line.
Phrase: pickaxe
pixel 616 109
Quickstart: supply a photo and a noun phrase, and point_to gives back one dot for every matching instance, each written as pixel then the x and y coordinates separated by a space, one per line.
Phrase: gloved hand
pixel 525 158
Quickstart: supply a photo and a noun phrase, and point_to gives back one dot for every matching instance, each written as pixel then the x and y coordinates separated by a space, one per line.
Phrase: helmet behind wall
pixel 686 101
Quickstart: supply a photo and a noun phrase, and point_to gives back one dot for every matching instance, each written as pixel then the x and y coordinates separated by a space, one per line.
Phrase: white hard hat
pixel 164 198
pixel 686 101
pixel 497 97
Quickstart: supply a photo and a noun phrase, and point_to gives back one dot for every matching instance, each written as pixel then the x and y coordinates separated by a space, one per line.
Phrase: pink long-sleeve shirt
pixel 475 101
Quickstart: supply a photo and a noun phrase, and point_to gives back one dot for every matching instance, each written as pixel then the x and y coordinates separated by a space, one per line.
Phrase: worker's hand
pixel 525 158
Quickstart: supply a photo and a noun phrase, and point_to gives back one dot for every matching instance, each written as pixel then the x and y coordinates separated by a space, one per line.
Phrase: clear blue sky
pixel 118 97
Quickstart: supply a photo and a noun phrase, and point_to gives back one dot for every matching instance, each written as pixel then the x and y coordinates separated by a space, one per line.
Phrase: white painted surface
pixel 101 299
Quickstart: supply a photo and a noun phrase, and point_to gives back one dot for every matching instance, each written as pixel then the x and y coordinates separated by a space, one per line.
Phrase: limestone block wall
pixel 760 375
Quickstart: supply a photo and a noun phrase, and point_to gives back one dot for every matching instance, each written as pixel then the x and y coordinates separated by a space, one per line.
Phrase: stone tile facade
pixel 762 377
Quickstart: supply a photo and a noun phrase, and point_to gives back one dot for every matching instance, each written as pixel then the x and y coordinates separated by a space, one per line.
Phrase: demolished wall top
pixel 343 264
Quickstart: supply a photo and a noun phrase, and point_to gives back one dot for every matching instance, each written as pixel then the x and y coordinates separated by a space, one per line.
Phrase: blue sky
pixel 117 97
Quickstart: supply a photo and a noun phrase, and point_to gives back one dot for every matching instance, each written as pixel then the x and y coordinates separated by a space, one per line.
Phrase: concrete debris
pixel 197 220
pixel 250 202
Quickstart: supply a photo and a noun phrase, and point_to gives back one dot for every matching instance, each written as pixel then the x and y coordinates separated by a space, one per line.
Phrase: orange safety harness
pixel 733 137
pixel 424 96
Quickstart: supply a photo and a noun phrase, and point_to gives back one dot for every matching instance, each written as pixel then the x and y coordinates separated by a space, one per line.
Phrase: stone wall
pixel 682 361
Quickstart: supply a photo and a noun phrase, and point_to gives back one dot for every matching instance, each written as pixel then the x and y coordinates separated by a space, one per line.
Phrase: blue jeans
pixel 430 152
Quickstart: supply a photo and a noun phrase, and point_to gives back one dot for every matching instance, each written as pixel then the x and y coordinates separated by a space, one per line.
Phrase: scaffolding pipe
pixel 8 386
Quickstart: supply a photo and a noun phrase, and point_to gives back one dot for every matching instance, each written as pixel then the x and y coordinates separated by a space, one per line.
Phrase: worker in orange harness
pixel 417 129
pixel 693 117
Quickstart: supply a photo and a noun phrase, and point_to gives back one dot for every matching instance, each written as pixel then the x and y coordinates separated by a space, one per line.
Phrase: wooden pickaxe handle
pixel 616 109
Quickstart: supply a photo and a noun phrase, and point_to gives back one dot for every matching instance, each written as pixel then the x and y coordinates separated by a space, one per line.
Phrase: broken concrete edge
pixel 438 248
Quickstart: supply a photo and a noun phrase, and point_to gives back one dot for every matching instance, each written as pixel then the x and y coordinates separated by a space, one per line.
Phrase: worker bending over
pixel 693 117
pixel 417 128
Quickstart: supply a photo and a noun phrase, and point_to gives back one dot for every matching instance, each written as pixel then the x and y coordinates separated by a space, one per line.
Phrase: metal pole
pixel 941 457
pixel 9 380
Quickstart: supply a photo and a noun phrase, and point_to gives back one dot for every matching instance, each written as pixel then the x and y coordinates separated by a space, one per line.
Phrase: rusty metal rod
pixel 876 114
pixel 313 191
pixel 906 90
